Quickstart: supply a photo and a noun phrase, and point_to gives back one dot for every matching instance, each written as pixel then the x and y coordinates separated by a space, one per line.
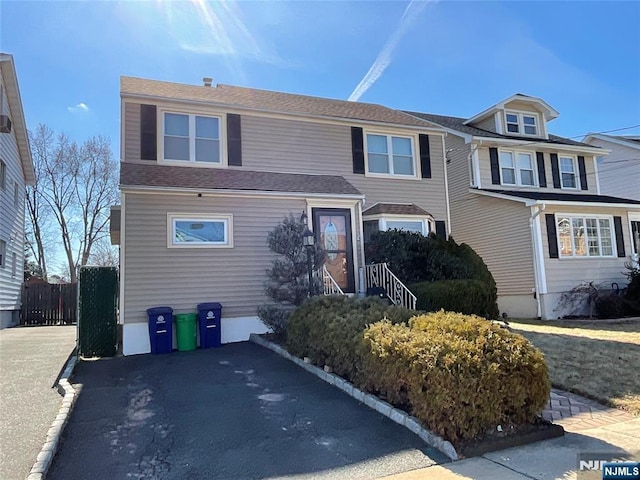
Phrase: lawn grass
pixel 597 359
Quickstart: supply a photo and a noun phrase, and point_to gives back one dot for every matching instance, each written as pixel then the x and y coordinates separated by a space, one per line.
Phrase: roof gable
pixel 269 101
pixel 10 82
pixel 631 142
pixel 547 110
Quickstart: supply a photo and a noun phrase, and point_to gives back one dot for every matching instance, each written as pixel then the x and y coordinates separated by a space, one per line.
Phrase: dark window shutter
pixel 555 170
pixel 583 173
pixel 234 139
pixel 441 229
pixel 617 226
pixel 552 236
pixel 495 166
pixel 357 148
pixel 148 132
pixel 542 173
pixel 425 156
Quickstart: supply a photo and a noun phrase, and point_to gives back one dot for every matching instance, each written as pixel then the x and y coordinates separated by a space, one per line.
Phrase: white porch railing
pixel 329 285
pixel 379 275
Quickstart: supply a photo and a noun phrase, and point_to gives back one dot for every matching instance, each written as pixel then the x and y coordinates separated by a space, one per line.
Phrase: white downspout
pixel 536 260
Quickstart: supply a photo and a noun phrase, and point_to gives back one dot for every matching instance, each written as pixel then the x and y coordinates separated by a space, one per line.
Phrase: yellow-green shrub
pixel 460 374
pixel 329 329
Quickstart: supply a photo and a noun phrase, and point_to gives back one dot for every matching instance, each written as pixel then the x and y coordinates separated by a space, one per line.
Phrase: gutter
pixel 536 260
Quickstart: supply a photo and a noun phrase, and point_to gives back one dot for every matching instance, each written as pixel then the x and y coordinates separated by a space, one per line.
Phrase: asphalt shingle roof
pixel 395 209
pixel 564 197
pixel 457 123
pixel 154 175
pixel 265 100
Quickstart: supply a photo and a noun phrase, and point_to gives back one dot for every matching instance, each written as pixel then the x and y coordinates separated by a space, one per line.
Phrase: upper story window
pixel 585 236
pixel 390 155
pixel 16 194
pixel 192 138
pixel 523 123
pixel 568 178
pixel 516 168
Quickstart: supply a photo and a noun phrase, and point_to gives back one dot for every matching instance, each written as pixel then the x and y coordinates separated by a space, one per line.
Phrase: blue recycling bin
pixel 160 329
pixel 209 315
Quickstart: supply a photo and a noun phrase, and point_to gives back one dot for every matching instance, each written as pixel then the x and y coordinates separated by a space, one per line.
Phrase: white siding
pixel 181 278
pixel 11 217
pixel 619 171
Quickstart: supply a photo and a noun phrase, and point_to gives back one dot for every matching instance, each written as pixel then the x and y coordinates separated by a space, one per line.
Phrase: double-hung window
pixel 192 138
pixel 516 168
pixel 523 123
pixel 199 230
pixel 568 178
pixel 585 236
pixel 390 155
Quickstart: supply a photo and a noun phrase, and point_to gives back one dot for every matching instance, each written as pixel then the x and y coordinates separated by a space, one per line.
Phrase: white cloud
pixel 382 61
pixel 79 108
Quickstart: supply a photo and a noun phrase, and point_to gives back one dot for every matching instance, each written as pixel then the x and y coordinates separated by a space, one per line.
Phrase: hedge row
pixel 472 297
pixel 460 375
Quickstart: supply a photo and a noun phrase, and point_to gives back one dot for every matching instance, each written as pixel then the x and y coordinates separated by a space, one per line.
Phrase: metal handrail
pixel 379 275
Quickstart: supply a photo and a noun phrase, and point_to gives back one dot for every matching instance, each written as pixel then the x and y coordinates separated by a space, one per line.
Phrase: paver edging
pixel 64 387
pixel 398 416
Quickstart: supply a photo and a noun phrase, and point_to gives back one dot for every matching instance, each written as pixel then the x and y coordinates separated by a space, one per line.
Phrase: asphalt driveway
pixel 239 411
pixel 31 359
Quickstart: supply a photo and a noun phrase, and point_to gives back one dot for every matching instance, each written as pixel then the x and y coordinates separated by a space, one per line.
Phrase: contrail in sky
pixel 382 61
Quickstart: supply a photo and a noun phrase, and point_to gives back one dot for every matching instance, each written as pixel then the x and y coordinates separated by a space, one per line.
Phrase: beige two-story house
pixel 530 204
pixel 207 171
pixel 16 171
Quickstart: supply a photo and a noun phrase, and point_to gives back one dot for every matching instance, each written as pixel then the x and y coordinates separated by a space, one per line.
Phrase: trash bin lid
pixel 159 310
pixel 209 306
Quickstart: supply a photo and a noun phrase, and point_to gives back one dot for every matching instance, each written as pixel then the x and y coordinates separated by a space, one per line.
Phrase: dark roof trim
pixel 562 197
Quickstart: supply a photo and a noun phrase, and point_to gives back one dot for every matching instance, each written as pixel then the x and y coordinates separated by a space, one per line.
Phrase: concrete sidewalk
pixel 30 361
pixel 551 459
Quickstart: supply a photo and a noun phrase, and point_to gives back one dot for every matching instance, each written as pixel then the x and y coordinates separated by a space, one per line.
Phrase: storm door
pixel 332 227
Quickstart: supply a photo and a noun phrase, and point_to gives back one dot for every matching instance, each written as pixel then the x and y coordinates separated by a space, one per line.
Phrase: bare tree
pixel 78 184
pixel 103 254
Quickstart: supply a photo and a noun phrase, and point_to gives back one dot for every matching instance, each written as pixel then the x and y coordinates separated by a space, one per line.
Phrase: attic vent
pixel 208 81
pixel 5 124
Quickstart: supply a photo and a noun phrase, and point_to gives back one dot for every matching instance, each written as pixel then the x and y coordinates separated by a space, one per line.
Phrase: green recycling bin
pixel 186 331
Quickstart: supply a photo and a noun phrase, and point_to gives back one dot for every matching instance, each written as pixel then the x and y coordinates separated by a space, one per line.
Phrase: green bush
pixel 460 375
pixel 329 329
pixel 414 259
pixel 464 296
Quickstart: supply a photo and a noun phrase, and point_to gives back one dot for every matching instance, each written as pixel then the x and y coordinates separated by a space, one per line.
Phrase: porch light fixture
pixel 308 240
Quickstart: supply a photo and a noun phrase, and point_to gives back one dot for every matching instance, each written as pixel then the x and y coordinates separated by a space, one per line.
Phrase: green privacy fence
pixel 97 310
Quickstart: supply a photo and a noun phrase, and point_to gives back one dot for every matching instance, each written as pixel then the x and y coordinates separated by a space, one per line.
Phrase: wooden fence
pixel 49 304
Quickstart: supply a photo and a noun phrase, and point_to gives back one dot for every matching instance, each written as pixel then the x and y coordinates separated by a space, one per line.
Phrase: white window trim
pixel 514 156
pixel 415 152
pixel 584 216
pixel 191 162
pixel 633 217
pixel 428 223
pixel 575 171
pixel 172 217
pixel 520 115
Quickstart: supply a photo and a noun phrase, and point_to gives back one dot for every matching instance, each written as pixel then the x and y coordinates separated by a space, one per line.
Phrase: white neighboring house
pixel 16 171
pixel 619 172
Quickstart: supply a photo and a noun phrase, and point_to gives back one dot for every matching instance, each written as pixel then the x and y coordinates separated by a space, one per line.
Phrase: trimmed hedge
pixel 463 296
pixel 461 375
pixel 415 259
pixel 328 330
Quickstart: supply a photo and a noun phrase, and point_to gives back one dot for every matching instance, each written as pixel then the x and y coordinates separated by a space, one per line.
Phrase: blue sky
pixel 454 58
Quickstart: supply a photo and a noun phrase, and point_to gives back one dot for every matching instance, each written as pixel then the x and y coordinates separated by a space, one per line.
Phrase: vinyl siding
pixel 498 230
pixel 488 124
pixel 131 131
pixel 563 274
pixel 11 217
pixel 619 172
pixel 485 172
pixel 279 145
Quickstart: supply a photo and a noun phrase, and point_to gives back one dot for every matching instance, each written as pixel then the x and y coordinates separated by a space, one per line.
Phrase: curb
pixel 45 457
pixel 398 416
